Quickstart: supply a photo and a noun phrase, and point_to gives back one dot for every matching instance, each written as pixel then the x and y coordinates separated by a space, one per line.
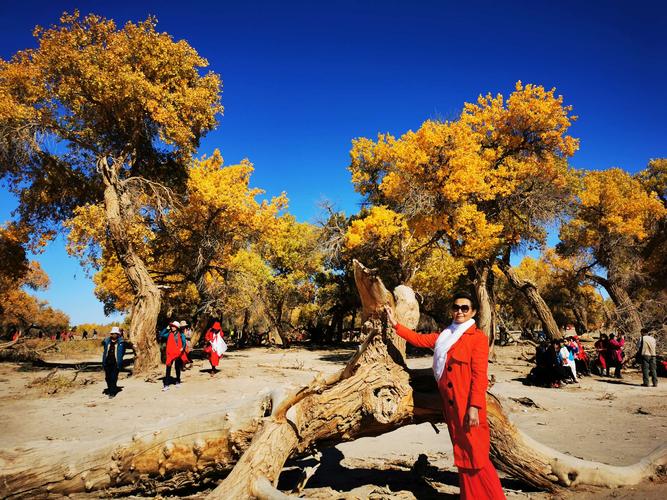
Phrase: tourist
pixel 175 353
pixel 563 366
pixel 187 332
pixel 646 351
pixel 112 360
pixel 566 360
pixel 544 374
pixel 581 360
pixel 460 365
pixel 84 335
pixel 94 333
pixel 215 346
pixel 601 346
pixel 615 354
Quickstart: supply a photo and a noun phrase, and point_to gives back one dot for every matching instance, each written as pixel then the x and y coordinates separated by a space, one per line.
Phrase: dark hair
pixel 466 295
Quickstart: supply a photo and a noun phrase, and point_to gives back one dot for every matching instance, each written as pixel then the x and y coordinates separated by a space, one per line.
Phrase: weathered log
pixel 522 457
pixel 371 395
pixel 199 447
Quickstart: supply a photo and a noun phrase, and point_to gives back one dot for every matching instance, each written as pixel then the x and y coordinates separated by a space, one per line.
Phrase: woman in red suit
pixel 460 363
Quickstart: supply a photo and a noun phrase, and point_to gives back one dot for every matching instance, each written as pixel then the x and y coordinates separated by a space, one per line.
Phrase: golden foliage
pixel 381 226
pixel 613 208
pixel 106 77
pixel 490 178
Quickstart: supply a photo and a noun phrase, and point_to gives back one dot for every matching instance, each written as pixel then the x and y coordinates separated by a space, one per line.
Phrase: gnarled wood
pixel 192 451
pixel 522 457
pixel 532 294
pixel 147 297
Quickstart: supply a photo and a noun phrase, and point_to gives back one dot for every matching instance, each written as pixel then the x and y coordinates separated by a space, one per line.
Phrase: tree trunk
pixel 520 456
pixel 626 310
pixel 581 315
pixel 532 294
pixel 243 337
pixel 186 453
pixel 146 305
pixel 485 317
pixel 199 327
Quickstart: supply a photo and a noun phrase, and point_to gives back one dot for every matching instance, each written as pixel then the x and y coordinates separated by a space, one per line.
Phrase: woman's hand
pixel 390 315
pixel 472 417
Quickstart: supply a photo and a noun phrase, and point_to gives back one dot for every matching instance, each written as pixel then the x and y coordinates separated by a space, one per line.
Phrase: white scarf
pixel 218 344
pixel 448 337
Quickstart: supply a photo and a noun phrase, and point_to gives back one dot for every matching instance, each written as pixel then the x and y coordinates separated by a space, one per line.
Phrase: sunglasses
pixel 464 308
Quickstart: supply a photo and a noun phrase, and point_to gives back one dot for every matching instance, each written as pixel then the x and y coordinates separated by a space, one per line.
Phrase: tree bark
pixel 243 337
pixel 189 451
pixel 147 298
pixel 486 314
pixel 626 310
pixel 520 456
pixel 532 294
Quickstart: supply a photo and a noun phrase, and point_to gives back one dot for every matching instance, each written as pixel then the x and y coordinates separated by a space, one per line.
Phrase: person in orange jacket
pixel 460 364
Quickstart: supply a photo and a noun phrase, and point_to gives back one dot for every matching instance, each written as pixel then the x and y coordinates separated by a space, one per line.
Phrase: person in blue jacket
pixel 112 359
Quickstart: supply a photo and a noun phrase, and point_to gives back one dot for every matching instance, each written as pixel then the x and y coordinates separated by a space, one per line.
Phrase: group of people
pixel 559 362
pixel 178 346
pixel 562 362
pixel 177 337
pixel 609 350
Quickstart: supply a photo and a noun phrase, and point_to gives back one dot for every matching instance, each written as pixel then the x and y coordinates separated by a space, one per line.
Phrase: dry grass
pixel 72 347
pixel 58 383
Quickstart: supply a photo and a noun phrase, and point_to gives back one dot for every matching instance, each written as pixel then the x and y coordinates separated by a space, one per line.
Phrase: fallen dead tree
pixel 374 393
pixel 20 352
pixel 184 454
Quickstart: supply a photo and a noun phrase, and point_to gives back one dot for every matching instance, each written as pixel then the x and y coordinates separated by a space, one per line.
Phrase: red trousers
pixel 480 484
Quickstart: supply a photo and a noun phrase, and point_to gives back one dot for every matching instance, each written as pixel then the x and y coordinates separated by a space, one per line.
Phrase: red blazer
pixel 463 384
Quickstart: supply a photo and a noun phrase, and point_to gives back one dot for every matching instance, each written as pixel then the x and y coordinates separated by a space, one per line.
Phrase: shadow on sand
pixel 333 474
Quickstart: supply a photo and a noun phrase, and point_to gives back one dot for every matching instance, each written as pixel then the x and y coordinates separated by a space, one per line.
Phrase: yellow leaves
pixel 380 227
pixel 111 285
pixel 475 234
pixel 501 167
pixel 654 178
pixel 438 275
pixel 108 80
pixel 612 202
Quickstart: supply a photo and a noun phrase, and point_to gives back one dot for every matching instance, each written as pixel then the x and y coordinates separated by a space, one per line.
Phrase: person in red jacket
pixel 460 363
pixel 176 345
pixel 215 346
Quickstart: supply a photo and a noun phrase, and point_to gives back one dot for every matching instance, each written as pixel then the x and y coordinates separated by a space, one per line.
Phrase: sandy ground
pixel 616 422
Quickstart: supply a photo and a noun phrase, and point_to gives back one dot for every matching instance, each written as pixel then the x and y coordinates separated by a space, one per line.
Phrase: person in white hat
pixel 112 360
pixel 176 345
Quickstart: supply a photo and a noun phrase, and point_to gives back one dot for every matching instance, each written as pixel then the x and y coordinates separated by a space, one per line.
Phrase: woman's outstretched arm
pixel 413 338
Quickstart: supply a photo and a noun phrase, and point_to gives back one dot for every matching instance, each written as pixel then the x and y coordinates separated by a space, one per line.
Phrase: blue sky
pixel 302 79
